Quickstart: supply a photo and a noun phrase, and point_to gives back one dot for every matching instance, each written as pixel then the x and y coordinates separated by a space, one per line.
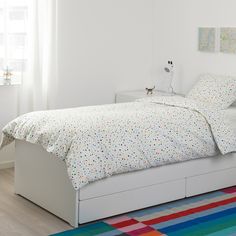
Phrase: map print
pixel 207 39
pixel 228 40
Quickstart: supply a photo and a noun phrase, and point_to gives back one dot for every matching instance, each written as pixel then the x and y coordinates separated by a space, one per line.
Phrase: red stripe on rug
pixel 125 223
pixel 139 232
pixel 153 233
pixel 189 211
pixel 229 190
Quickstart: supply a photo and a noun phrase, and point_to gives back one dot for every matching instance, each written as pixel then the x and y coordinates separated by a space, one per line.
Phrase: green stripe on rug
pixel 93 229
pixel 101 228
pixel 228 231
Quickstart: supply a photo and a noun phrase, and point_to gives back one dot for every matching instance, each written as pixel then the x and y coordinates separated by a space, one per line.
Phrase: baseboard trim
pixel 7 165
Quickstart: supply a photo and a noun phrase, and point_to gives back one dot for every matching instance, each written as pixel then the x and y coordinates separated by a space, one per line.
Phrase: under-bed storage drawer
pixel 210 182
pixel 114 204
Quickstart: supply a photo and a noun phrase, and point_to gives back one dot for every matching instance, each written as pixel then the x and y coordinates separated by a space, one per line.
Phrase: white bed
pixel 85 164
pixel 43 177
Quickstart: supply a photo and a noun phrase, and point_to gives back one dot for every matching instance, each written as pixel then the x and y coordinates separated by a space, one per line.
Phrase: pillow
pixel 218 91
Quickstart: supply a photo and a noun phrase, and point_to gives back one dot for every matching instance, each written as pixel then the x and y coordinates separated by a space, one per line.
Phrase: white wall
pixel 111 45
pixel 176 38
pixel 8 111
pixel 104 46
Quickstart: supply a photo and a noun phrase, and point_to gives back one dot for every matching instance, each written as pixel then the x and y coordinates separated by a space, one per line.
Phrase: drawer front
pixel 118 203
pixel 210 182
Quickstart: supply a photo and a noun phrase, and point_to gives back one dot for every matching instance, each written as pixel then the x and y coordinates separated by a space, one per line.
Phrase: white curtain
pixel 39 81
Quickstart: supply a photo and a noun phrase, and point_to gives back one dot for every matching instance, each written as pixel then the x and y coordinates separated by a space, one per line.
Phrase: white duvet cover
pixel 100 141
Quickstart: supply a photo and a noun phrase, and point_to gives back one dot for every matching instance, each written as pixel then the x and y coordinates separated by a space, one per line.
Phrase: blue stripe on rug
pixel 193 216
pixel 209 227
pixel 190 223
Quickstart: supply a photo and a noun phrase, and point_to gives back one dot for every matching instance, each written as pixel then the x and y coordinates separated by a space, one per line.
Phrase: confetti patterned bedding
pixel 100 141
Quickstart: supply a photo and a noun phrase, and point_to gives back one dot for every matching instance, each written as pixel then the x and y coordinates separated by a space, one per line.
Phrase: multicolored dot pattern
pixel 100 141
pixel 217 91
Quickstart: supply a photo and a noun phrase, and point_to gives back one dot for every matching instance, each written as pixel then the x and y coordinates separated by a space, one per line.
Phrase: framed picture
pixel 207 39
pixel 228 40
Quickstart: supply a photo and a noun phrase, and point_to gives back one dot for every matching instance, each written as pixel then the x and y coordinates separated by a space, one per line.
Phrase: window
pixel 13 35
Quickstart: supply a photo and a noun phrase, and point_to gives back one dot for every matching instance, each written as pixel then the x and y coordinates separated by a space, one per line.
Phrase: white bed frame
pixel 42 178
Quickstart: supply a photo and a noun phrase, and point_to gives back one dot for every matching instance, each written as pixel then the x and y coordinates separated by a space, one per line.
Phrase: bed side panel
pixel 42 178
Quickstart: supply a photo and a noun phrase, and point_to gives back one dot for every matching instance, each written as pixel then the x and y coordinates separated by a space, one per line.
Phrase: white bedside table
pixel 130 96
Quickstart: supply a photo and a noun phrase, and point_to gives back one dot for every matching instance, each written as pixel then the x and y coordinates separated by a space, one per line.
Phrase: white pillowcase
pixel 218 91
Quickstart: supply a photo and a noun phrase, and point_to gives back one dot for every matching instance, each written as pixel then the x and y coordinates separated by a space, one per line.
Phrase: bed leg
pixel 75 220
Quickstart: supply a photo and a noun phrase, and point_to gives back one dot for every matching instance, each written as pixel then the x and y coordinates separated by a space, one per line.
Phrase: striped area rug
pixel 212 214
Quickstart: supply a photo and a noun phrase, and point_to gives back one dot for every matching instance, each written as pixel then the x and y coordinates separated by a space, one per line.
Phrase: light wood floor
pixel 20 217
